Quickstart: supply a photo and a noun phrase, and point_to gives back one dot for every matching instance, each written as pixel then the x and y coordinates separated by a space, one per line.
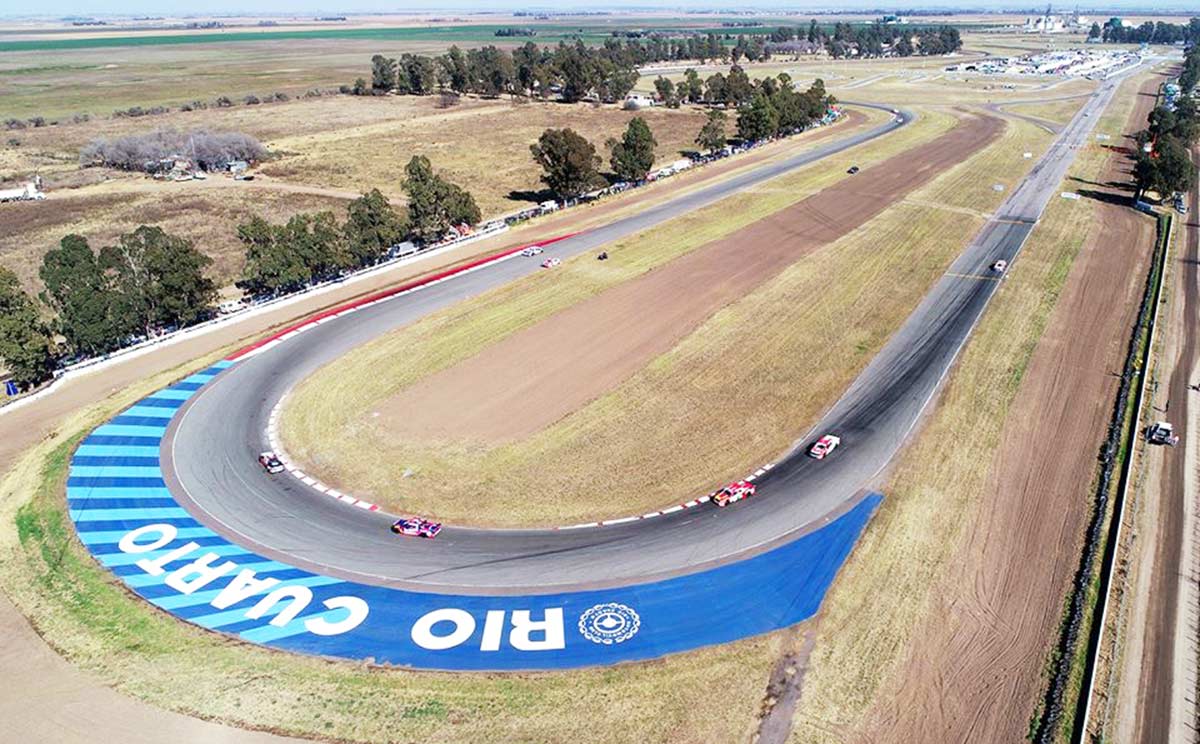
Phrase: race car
pixel 1000 266
pixel 823 446
pixel 853 170
pixel 270 463
pixel 416 527
pixel 550 263
pixel 735 491
pixel 532 250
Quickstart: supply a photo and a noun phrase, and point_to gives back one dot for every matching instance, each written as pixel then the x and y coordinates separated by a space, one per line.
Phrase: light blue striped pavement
pixel 115 450
pixel 169 394
pixel 101 537
pixel 113 560
pixel 115 515
pixel 266 567
pixel 181 601
pixel 129 430
pixel 154 411
pixel 117 492
pixel 115 471
pixel 268 633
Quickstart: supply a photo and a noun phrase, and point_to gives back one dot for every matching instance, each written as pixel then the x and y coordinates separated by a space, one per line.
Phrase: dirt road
pixel 533 378
pixel 974 669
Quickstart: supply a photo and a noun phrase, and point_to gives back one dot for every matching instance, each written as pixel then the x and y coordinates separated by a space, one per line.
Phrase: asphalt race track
pixel 211 430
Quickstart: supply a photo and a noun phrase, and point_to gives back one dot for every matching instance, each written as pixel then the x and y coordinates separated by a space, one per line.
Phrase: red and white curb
pixel 661 512
pixel 277 447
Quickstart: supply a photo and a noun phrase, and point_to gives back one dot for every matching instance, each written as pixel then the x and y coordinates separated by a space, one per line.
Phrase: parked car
pixel 853 170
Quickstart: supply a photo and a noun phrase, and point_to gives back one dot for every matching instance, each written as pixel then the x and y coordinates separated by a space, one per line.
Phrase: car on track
pixel 823 446
pixel 1000 266
pixel 735 491
pixel 532 250
pixel 271 463
pixel 416 527
pixel 550 263
pixel 853 170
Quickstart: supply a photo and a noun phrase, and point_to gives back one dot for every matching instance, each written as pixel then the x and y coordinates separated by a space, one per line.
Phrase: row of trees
pixel 1167 167
pixel 147 282
pixel 846 40
pixel 309 248
pixel 1116 32
pixel 572 71
pixel 609 71
pixel 570 164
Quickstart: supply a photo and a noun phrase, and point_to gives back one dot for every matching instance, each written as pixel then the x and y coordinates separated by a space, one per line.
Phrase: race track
pixel 674 562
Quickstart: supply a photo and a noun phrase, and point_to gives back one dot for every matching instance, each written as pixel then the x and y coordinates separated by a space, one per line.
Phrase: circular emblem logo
pixel 609 623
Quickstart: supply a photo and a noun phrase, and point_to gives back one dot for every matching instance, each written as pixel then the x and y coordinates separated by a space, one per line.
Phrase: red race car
pixel 735 491
pixel 416 527
pixel 270 463
pixel 824 446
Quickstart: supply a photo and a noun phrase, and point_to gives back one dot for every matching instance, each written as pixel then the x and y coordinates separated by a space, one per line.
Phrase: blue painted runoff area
pixel 125 515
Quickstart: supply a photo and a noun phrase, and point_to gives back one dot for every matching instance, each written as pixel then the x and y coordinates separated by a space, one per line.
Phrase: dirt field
pixel 484 147
pixel 536 376
pixel 965 660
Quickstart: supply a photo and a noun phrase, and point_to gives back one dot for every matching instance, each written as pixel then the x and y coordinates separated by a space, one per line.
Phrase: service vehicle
pixel 416 527
pixel 532 250
pixel 1000 266
pixel 735 491
pixel 1162 432
pixel 823 446
pixel 550 263
pixel 271 463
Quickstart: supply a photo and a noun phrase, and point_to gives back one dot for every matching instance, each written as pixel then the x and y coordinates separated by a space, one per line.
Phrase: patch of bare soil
pixel 975 670
pixel 536 376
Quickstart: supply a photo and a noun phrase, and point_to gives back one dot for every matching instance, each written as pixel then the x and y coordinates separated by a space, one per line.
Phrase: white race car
pixel 271 463
pixel 823 446
pixel 532 250
pixel 550 263
pixel 735 491
pixel 1000 266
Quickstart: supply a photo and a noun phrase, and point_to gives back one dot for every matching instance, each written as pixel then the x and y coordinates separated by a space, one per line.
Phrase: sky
pixel 45 8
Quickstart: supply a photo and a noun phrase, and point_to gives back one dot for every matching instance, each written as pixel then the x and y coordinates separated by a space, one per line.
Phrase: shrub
pixel 213 150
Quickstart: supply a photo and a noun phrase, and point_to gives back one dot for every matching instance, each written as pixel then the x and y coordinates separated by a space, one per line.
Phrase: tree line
pixel 842 40
pixel 1167 166
pixel 575 71
pixel 314 247
pixel 1115 31
pixel 150 282
pixel 147 282
pixel 769 108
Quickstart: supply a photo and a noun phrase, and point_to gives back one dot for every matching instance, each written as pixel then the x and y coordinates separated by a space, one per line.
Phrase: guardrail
pixel 1136 364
